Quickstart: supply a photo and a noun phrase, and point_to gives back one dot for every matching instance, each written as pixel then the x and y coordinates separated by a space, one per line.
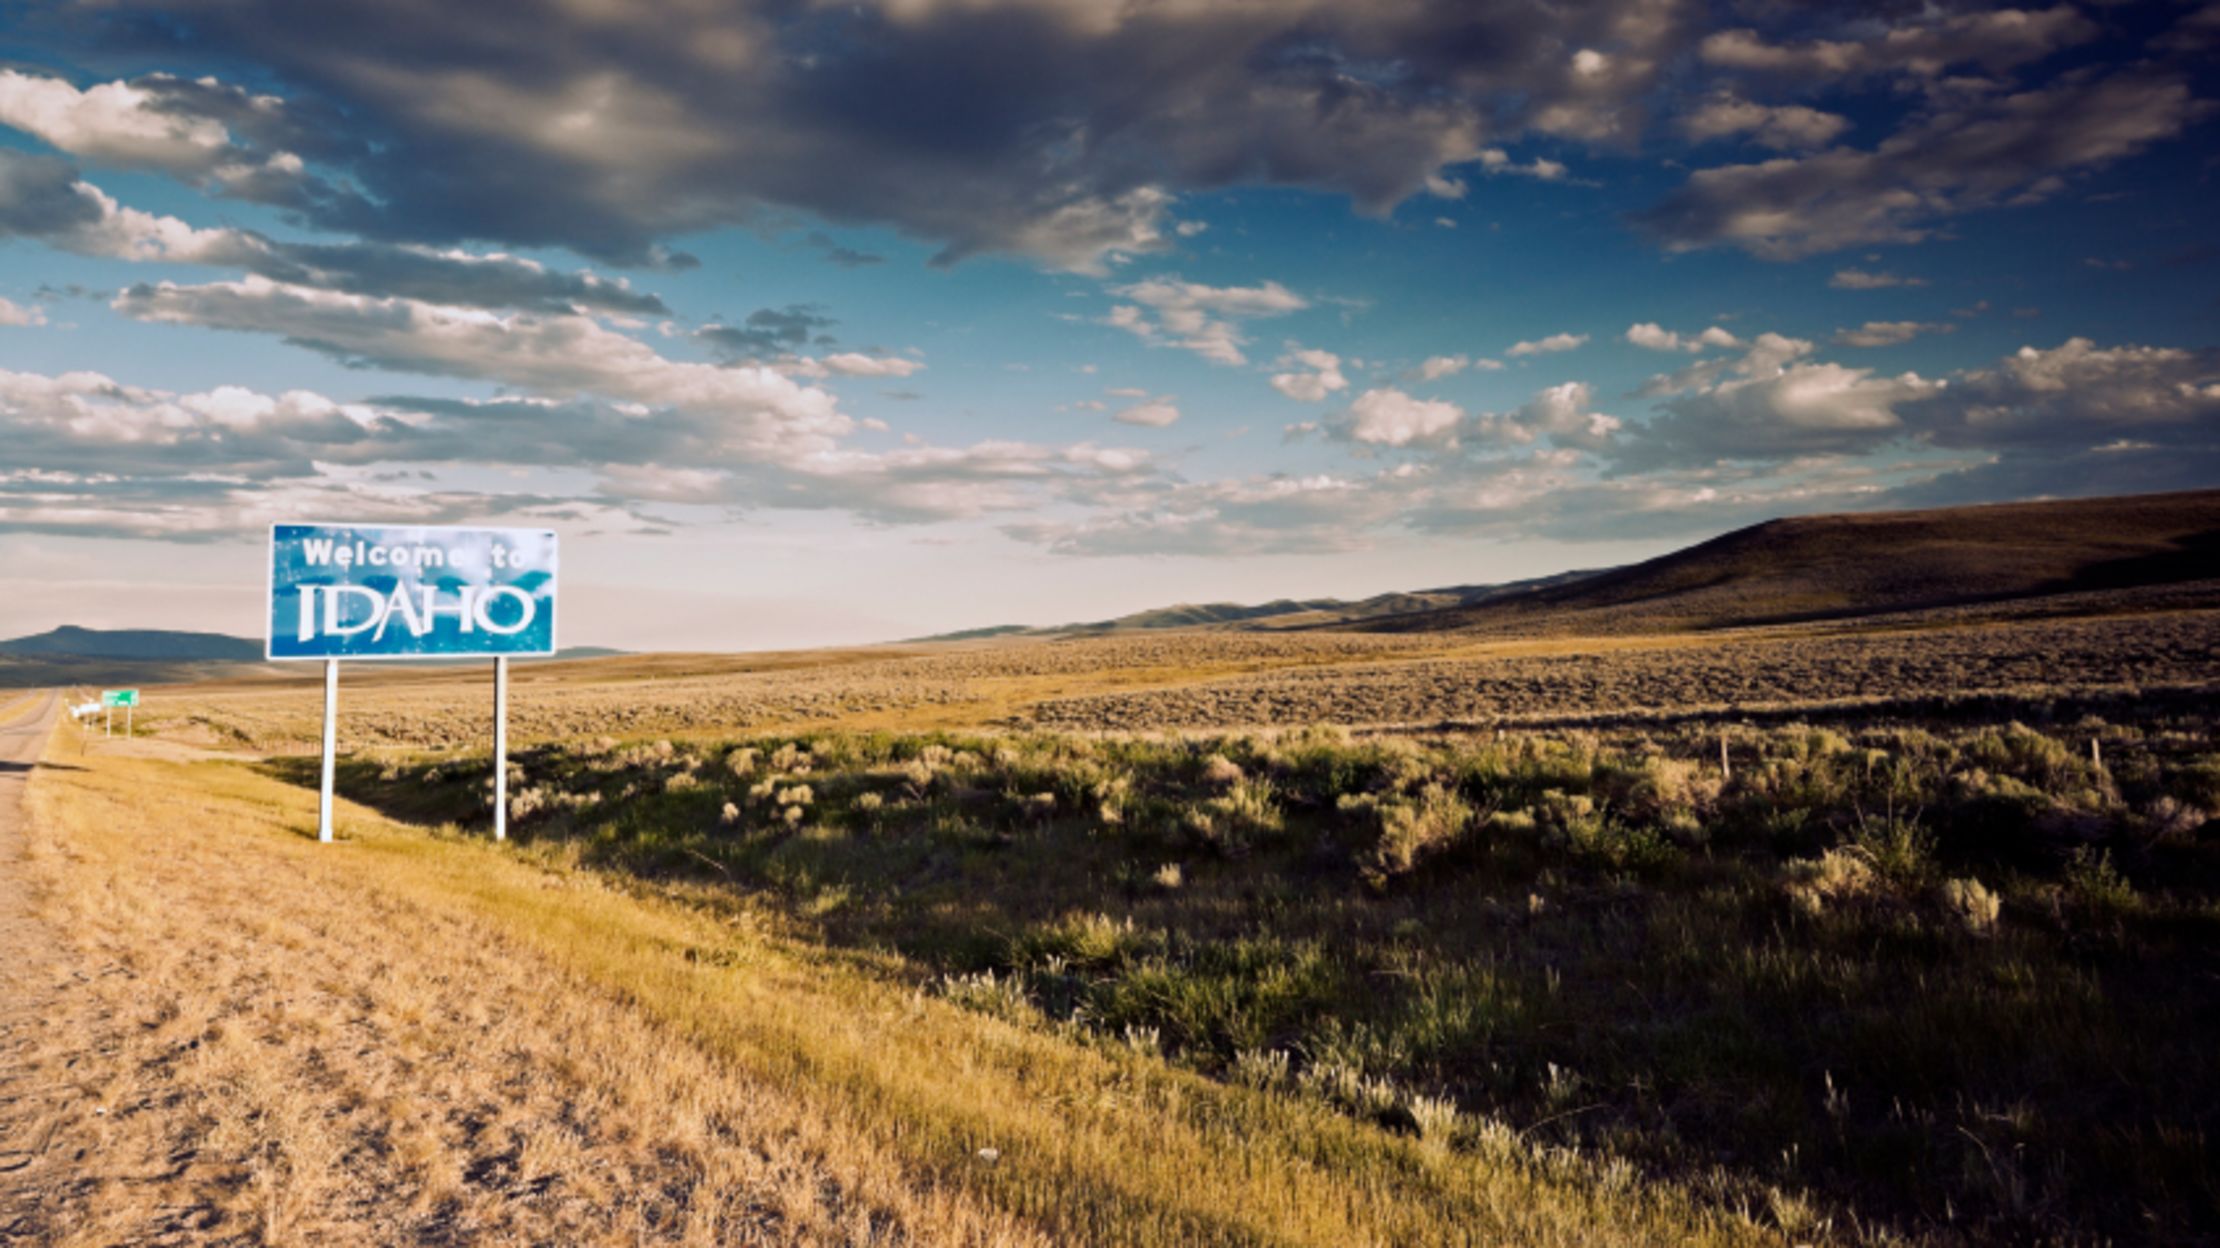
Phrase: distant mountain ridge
pixel 1281 613
pixel 139 644
pixel 74 655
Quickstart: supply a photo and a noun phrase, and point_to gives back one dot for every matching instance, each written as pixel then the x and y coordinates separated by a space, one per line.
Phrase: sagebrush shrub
pixel 1412 829
pixel 1834 878
pixel 1974 905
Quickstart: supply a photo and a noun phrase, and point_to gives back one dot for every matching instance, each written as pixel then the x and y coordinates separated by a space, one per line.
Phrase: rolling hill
pixel 148 645
pixel 1838 566
pixel 1282 613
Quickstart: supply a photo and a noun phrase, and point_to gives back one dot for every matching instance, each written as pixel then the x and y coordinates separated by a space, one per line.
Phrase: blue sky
pixel 814 324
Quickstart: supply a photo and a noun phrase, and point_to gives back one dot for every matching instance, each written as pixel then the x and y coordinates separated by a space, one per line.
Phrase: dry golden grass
pixel 253 1045
pixel 1768 670
pixel 943 686
pixel 409 1036
pixel 1179 680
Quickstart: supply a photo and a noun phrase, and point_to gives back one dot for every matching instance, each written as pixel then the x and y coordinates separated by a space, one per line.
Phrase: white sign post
pixel 110 699
pixel 501 747
pixel 367 591
pixel 331 744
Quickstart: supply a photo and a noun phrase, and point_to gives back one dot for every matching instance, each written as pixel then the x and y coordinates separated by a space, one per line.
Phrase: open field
pixel 1799 672
pixel 1850 932
pixel 932 686
pixel 1183 680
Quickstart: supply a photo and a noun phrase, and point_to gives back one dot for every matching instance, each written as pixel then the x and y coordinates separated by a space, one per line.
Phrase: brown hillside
pixel 1819 567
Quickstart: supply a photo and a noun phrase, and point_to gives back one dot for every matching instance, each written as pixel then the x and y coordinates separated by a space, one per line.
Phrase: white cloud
pixel 1437 367
pixel 202 132
pixel 1655 337
pixel 1995 40
pixel 1494 161
pixel 1389 417
pixel 1264 514
pixel 1763 356
pixel 1889 333
pixel 1544 346
pixel 1320 375
pixel 1156 413
pixel 1993 151
pixel 2067 419
pixel 1566 413
pixel 12 313
pixel 1859 279
pixel 1088 233
pixel 114 123
pixel 42 198
pixel 2079 393
pixel 1787 127
pixel 854 364
pixel 1198 318
pixel 89 454
pixel 559 356
pixel 1799 409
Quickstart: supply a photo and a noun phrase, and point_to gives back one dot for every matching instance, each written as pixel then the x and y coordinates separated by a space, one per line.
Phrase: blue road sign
pixel 368 591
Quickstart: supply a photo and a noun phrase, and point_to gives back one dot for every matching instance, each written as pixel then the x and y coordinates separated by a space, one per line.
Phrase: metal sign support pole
pixel 331 740
pixel 130 712
pixel 501 747
pixel 107 721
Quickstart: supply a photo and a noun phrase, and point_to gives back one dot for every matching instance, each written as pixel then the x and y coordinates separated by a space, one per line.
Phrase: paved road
pixel 26 956
pixel 22 736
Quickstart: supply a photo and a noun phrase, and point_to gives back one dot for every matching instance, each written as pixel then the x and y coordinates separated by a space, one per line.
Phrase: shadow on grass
pixel 13 768
pixel 456 796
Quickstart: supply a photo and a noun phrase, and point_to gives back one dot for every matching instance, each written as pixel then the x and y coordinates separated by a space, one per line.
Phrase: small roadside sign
pixel 110 699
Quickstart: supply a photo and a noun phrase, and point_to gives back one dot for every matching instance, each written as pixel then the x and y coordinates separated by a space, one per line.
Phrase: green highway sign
pixel 119 697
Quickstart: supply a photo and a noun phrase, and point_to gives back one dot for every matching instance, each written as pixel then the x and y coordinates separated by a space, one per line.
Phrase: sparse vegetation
pixel 1895 975
pixel 1788 671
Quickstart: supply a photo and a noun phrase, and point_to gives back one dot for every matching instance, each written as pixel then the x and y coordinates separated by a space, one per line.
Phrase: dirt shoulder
pixel 30 957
